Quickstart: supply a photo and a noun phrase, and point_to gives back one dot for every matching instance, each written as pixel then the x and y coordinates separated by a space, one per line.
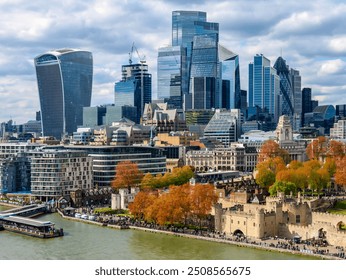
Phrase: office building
pixel 224 126
pixel 64 79
pixel 134 89
pixel 105 158
pixel 286 90
pixel 107 114
pixel 264 86
pixel 205 82
pixel 340 111
pixel 230 76
pixel 172 75
pixel 174 62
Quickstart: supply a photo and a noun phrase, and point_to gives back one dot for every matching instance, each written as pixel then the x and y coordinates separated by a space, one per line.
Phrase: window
pixel 298 219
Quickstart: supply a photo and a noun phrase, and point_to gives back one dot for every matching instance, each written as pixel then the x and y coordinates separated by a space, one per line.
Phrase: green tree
pixel 285 187
pixel 265 177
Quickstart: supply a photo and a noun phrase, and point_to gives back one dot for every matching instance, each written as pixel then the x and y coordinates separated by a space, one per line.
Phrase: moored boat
pixel 31 227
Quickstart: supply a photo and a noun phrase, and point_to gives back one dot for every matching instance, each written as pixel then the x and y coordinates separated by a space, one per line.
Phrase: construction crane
pixel 141 59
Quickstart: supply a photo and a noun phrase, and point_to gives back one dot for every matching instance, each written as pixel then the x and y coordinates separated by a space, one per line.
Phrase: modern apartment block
pixel 54 173
pixel 64 79
pixel 105 158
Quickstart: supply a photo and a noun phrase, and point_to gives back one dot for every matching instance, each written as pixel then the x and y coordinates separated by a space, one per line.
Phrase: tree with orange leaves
pixel 271 149
pixel 336 149
pixel 340 174
pixel 127 175
pixel 141 202
pixel 267 170
pixel 317 148
pixel 203 197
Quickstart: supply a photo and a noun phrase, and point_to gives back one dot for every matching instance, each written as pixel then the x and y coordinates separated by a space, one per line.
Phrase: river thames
pixel 89 242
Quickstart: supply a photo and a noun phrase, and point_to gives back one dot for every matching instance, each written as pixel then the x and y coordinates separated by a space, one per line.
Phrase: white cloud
pixel 332 67
pixel 311 36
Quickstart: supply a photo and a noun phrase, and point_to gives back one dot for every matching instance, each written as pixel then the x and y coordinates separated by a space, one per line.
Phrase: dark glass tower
pixel 264 86
pixel 172 75
pixel 230 75
pixel 134 89
pixel 64 79
pixel 185 26
pixel 286 87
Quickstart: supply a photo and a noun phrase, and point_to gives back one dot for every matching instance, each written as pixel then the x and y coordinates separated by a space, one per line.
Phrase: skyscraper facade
pixel 134 89
pixel 204 72
pixel 286 87
pixel 172 75
pixel 264 86
pixel 230 76
pixel 185 26
pixel 64 79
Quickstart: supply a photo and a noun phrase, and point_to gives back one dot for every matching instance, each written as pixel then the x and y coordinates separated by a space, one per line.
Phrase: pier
pixel 25 211
pixel 18 220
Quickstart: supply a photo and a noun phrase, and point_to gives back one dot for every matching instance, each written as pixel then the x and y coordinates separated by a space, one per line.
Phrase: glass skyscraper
pixel 204 73
pixel 230 75
pixel 172 75
pixel 135 87
pixel 64 79
pixel 185 26
pixel 286 87
pixel 264 86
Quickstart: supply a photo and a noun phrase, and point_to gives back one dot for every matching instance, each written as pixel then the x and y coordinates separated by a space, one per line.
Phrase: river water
pixel 89 242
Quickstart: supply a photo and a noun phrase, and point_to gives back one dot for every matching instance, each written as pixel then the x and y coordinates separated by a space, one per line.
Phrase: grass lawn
pixel 340 208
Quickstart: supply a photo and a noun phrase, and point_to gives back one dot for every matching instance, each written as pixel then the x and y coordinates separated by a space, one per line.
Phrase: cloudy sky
pixel 311 35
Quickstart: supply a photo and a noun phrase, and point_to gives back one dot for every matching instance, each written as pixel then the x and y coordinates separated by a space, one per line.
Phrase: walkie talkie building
pixel 64 79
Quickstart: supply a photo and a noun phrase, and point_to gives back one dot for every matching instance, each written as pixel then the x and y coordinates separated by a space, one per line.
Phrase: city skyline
pixel 310 39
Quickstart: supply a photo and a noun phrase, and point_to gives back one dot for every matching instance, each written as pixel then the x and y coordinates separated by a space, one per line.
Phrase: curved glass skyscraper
pixel 64 79
pixel 286 87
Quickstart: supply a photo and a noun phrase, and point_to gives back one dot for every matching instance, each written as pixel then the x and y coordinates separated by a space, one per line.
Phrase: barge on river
pixel 30 227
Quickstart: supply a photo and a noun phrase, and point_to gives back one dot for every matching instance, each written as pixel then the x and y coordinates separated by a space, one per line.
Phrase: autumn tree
pixel 330 166
pixel 317 148
pixel 265 177
pixel 271 149
pixel 180 199
pixel 336 149
pixel 319 179
pixel 340 173
pixel 127 175
pixel 203 197
pixel 142 201
pixel 267 170
pixel 295 164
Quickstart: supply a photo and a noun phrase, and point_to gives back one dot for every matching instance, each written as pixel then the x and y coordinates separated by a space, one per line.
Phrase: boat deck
pixel 42 229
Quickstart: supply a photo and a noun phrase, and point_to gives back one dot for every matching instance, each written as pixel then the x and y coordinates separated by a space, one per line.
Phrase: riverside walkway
pixel 274 244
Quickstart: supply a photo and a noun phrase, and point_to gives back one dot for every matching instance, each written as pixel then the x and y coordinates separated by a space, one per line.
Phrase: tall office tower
pixel 185 26
pixel 340 111
pixel 243 103
pixel 134 89
pixel 172 75
pixel 64 79
pixel 264 86
pixel 205 79
pixel 230 76
pixel 286 87
pixel 306 103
